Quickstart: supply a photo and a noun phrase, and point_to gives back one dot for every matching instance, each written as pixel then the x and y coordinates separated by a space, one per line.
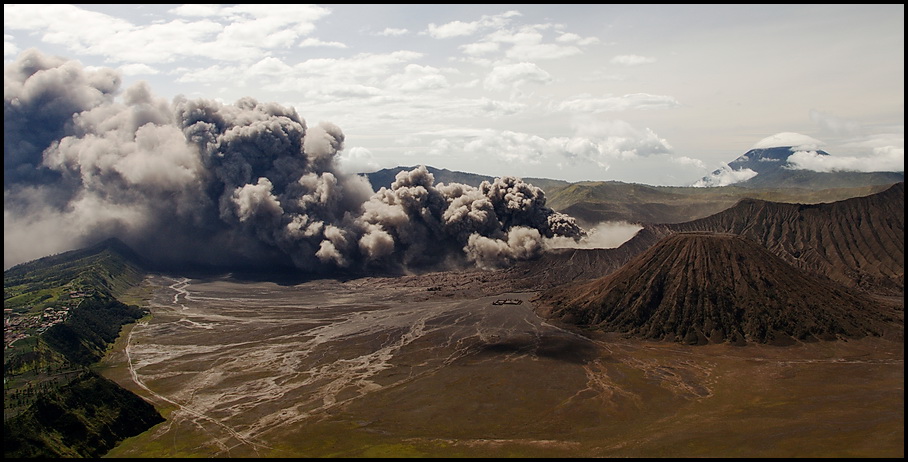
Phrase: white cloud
pixel 724 177
pixel 326 91
pixel 418 78
pixel 479 48
pixel 9 48
pixel 525 35
pixel 786 139
pixel 885 159
pixel 327 79
pixel 460 28
pixel 514 75
pixel 235 33
pixel 618 103
pixel 197 10
pixel 453 29
pixel 65 24
pixel 496 108
pixel 523 43
pixel 588 41
pixel 137 69
pixel 632 60
pixel 527 44
pixel 541 51
pixel 391 32
pixel 314 42
pixel 867 143
pixel 624 139
pixel 210 74
pixel 574 38
pixel 685 160
pixel 361 66
pixel 269 66
pixel 568 37
pixel 357 160
pixel 616 141
pixel 265 19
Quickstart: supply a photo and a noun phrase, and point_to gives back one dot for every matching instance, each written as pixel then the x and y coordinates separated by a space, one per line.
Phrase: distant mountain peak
pixel 762 160
pixel 766 165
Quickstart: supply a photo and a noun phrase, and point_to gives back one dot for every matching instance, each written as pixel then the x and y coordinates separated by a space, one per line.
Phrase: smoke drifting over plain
pixel 604 235
pixel 244 185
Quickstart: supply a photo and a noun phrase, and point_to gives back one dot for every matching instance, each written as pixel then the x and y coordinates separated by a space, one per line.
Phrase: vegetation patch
pixel 84 418
pixel 61 315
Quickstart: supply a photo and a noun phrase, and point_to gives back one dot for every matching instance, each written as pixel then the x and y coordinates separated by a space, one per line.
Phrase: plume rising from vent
pixel 246 185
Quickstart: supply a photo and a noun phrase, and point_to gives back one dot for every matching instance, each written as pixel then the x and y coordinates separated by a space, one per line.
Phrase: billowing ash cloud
pixel 604 235
pixel 247 185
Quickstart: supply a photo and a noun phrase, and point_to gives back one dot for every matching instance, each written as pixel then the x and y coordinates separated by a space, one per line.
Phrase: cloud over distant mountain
pixel 794 151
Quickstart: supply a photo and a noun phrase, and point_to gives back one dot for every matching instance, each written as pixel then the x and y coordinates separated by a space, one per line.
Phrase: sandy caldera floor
pixel 369 369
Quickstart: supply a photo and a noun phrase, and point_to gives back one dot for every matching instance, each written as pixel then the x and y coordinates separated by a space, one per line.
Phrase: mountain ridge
pixel 788 230
pixel 384 178
pixel 592 202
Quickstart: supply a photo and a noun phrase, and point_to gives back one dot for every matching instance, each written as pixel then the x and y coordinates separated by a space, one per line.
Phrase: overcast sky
pixel 656 94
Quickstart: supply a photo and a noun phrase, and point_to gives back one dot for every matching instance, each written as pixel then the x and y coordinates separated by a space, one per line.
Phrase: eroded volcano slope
pixel 858 242
pixel 702 288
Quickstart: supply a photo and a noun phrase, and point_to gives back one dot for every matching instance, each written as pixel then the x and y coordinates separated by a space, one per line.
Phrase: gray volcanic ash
pixel 249 185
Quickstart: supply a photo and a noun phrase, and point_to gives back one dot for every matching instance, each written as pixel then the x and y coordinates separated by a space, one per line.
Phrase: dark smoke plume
pixel 247 185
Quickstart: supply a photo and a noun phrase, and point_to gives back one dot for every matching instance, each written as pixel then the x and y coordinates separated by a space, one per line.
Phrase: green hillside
pixel 61 314
pixel 84 418
pixel 109 266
